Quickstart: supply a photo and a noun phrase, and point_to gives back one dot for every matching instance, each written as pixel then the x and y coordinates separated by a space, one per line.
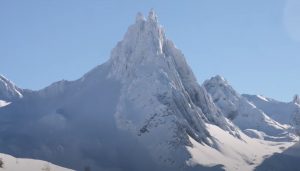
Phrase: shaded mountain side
pixel 286 161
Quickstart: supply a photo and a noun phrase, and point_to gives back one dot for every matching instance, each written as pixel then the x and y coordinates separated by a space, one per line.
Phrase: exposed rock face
pixel 296 99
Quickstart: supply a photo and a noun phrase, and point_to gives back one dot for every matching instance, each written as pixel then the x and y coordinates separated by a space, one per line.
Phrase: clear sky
pixel 254 44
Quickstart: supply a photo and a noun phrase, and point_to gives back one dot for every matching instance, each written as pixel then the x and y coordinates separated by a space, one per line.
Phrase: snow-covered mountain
pixel 141 110
pixel 115 103
pixel 248 117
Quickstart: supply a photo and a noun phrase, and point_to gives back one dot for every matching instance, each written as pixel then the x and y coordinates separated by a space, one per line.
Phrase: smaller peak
pixel 139 17
pixel 296 99
pixel 152 15
pixel 218 79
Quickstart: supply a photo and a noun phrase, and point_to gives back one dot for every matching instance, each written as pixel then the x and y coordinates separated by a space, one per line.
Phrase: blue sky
pixel 254 44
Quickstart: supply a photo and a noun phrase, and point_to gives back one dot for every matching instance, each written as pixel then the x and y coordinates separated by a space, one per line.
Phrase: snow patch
pixel 262 98
pixel 4 103
pixel 11 163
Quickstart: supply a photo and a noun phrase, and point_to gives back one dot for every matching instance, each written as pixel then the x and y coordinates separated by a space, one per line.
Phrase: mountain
pixel 248 117
pixel 143 109
pixel 144 101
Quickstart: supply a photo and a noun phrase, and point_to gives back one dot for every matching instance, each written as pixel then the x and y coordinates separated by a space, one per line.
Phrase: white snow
pixel 11 163
pixel 235 154
pixel 4 103
pixel 262 98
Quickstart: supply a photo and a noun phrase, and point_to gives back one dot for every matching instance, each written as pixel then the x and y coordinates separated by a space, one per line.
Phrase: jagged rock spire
pixel 143 42
pixel 217 80
pixel 146 56
pixel 296 99
pixel 139 17
pixel 152 16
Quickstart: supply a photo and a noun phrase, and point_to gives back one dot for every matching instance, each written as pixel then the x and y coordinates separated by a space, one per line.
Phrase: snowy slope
pixel 286 161
pixel 287 113
pixel 232 153
pixel 15 164
pixel 253 121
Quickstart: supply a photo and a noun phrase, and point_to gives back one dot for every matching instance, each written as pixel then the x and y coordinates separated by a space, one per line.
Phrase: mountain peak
pixel 216 80
pixel 152 16
pixel 139 17
pixel 296 99
pixel 142 43
pixel 146 60
pixel 8 90
pixel 223 94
